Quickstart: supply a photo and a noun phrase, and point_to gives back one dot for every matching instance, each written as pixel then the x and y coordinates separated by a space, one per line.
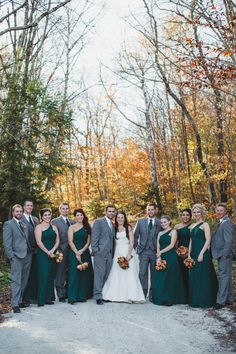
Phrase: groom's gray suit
pixel 222 250
pixel 18 250
pixel 61 268
pixel 145 241
pixel 102 244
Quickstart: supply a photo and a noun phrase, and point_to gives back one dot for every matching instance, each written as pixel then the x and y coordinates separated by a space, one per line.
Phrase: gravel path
pixel 112 328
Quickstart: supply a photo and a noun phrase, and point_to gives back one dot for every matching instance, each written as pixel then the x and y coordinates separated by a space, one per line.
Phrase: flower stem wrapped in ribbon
pixel 189 263
pixel 161 265
pixel 82 266
pixel 123 262
pixel 58 256
pixel 182 252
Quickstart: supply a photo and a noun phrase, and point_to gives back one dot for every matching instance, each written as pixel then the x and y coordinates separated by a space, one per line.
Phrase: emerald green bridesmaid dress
pixel 183 236
pixel 80 283
pixel 46 268
pixel 168 285
pixel 203 283
pixel 31 290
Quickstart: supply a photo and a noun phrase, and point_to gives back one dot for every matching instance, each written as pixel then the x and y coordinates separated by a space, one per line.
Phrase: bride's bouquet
pixel 82 266
pixel 182 252
pixel 189 263
pixel 123 262
pixel 58 256
pixel 161 265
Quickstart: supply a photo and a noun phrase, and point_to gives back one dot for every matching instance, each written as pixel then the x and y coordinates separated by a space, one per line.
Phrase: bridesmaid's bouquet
pixel 189 263
pixel 82 266
pixel 161 265
pixel 58 256
pixel 123 263
pixel 182 252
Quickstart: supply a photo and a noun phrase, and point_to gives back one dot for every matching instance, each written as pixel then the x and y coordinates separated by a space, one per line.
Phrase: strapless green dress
pixel 168 284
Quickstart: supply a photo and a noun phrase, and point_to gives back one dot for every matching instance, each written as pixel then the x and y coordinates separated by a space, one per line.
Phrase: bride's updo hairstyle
pixel 126 224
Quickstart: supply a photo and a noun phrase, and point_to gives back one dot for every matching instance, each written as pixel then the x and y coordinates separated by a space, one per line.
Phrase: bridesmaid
pixel 168 286
pixel 202 277
pixel 80 283
pixel 183 239
pixel 47 239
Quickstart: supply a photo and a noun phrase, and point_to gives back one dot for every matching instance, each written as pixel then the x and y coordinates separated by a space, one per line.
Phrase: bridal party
pixel 71 259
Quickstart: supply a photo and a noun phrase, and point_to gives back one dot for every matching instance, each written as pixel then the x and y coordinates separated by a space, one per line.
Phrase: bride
pixel 123 285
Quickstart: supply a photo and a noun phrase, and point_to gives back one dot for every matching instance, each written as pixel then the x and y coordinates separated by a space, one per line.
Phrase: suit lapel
pixel 107 226
pixel 146 225
pixel 19 228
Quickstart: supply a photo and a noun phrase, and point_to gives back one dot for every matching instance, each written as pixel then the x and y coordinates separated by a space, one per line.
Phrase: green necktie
pixel 150 225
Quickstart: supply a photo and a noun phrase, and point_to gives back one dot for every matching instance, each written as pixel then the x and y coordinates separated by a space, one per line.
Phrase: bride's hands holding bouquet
pixel 128 257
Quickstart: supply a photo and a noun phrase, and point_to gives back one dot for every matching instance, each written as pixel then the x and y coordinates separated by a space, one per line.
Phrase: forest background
pixel 158 124
pixel 155 123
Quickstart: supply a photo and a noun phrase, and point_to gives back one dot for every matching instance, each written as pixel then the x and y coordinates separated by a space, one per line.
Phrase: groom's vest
pixel 149 244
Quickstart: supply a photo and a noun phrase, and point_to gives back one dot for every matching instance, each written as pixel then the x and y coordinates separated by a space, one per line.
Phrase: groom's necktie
pixel 21 226
pixel 150 225
pixel 67 221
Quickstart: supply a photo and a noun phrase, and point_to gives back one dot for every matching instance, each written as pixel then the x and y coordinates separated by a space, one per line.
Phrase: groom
pixel 145 240
pixel 103 236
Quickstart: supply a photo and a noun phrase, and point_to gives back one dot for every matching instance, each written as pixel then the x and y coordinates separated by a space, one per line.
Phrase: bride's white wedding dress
pixel 123 285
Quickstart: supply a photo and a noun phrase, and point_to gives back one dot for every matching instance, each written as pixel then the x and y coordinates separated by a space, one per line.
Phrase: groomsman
pixel 222 250
pixel 31 221
pixel 102 243
pixel 62 223
pixel 18 250
pixel 145 240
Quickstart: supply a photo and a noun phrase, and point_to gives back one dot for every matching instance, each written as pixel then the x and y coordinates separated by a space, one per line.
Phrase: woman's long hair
pixel 85 219
pixel 126 224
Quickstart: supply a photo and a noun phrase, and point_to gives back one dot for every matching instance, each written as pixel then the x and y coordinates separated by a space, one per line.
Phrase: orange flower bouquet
pixel 82 266
pixel 161 265
pixel 189 263
pixel 123 263
pixel 58 256
pixel 182 252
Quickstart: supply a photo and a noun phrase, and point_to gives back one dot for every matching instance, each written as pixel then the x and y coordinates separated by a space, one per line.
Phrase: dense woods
pixel 61 141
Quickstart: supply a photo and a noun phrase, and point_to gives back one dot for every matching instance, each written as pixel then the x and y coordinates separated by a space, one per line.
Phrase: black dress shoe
pixel 218 306
pixel 72 302
pixel 24 305
pixel 16 309
pixel 82 300
pixel 49 303
pixel 99 302
pixel 39 305
pixel 167 303
pixel 62 299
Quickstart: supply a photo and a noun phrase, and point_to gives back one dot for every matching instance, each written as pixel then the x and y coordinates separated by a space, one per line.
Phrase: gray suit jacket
pixel 63 230
pixel 31 228
pixel 141 234
pixel 103 238
pixel 222 240
pixel 15 241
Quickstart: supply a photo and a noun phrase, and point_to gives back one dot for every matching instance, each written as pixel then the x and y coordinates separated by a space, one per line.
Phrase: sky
pixel 110 31
pixel 105 42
